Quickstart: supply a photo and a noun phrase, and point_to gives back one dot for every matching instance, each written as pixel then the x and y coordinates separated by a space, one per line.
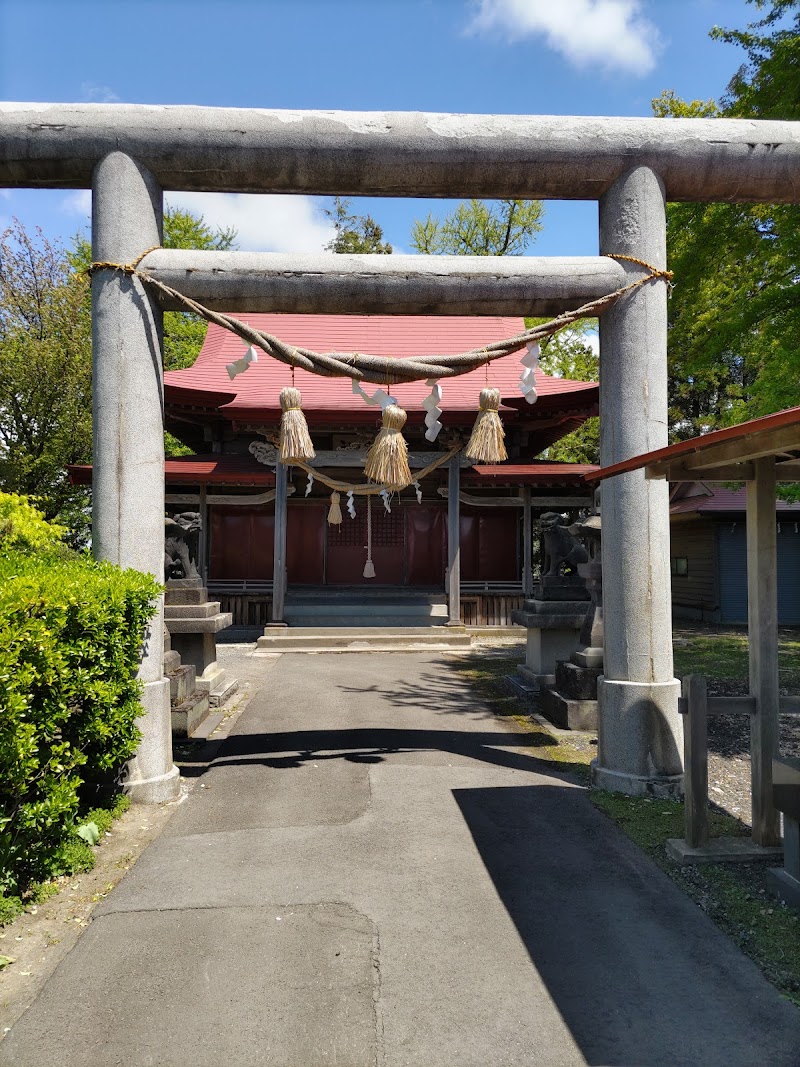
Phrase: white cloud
pixel 263 222
pixel 612 34
pixel 98 94
pixel 78 203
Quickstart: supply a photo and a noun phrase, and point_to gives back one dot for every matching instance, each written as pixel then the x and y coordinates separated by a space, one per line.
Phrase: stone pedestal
pixel 572 703
pixel 193 622
pixel 553 627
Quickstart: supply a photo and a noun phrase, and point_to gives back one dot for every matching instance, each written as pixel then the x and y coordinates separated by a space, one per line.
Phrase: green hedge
pixel 71 632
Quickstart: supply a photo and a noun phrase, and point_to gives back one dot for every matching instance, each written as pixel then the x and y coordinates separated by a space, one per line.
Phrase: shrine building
pixel 231 424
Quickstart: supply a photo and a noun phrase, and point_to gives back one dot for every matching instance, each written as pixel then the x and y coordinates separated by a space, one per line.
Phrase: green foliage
pixel 354 233
pixel 71 633
pixel 45 375
pixel 24 528
pixel 480 228
pixel 183 333
pixel 568 354
pixel 734 314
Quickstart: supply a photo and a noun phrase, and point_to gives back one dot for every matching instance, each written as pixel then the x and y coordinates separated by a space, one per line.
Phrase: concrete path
pixel 376 872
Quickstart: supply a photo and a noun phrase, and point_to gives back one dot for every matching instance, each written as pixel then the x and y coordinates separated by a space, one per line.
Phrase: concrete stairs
pixel 362 639
pixel 369 607
pixel 380 619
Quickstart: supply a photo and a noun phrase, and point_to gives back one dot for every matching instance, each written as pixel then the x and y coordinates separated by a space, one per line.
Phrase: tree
pixel 480 228
pixel 734 315
pixel 569 354
pixel 354 233
pixel 46 362
pixel 184 333
pixel 45 376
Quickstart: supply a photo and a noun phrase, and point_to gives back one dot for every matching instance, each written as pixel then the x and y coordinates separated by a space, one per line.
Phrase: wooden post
pixel 762 626
pixel 695 752
pixel 453 541
pixel 527 536
pixel 279 558
pixel 202 548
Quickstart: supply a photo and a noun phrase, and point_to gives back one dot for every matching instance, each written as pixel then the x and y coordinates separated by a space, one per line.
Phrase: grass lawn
pixel 722 655
pixel 733 896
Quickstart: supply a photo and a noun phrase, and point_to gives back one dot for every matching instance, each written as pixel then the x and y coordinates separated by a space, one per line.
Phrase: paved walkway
pixel 377 872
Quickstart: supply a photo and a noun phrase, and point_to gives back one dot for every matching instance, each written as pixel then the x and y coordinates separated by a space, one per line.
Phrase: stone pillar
pixel 639 727
pixel 527 537
pixel 127 406
pixel 454 541
pixel 279 558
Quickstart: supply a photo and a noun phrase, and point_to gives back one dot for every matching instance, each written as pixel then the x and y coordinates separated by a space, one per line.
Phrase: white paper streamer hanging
pixel 418 491
pixel 351 506
pixel 432 410
pixel 309 483
pixel 380 396
pixel 387 500
pixel 527 381
pixel 239 366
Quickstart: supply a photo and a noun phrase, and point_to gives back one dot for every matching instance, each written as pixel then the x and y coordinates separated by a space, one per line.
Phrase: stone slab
pixel 575 682
pixel 210 625
pixel 785 886
pixel 568 714
pixel 190 611
pixel 721 850
pixel 186 717
pixel 568 587
pixel 183 591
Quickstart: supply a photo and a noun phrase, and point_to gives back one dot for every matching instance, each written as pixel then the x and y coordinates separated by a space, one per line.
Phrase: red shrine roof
pixel 543 474
pixel 253 395
pixel 198 470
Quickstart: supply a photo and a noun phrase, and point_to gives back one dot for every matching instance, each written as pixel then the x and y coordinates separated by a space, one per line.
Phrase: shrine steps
pixel 356 609
pixel 362 639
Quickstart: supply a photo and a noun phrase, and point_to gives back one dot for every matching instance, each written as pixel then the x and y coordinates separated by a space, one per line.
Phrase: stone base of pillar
pixel 159 790
pixel 640 742
pixel 659 788
pixel 152 776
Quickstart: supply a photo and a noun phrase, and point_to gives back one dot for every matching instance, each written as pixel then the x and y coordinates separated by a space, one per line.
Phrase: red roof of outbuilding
pixel 750 429
pixel 717 501
pixel 393 336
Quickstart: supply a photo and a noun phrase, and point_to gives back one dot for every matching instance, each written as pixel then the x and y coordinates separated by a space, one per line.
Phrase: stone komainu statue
pixel 562 550
pixel 181 542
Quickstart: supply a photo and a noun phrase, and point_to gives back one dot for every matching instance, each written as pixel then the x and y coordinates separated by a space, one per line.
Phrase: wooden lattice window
pixel 387 527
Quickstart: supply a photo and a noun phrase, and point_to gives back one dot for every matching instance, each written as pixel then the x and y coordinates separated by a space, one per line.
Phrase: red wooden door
pixel 489 545
pixel 305 544
pixel 426 544
pixel 347 552
pixel 241 543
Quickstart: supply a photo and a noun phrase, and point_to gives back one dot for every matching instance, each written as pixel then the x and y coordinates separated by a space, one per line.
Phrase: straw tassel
pixel 387 460
pixel 335 512
pixel 295 440
pixel 486 443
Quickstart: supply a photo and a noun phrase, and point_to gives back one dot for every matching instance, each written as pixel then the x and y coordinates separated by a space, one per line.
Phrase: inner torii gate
pixel 127 154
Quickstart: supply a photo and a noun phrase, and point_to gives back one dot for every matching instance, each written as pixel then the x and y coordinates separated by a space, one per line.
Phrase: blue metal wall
pixel 732 550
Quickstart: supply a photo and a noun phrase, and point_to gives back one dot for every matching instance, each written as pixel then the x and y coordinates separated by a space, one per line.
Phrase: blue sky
pixel 570 57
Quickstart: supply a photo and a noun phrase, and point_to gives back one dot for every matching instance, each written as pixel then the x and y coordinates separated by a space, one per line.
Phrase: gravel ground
pixel 729 753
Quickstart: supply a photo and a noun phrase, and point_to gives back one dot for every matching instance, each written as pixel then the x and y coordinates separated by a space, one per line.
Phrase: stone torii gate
pixel 127 154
